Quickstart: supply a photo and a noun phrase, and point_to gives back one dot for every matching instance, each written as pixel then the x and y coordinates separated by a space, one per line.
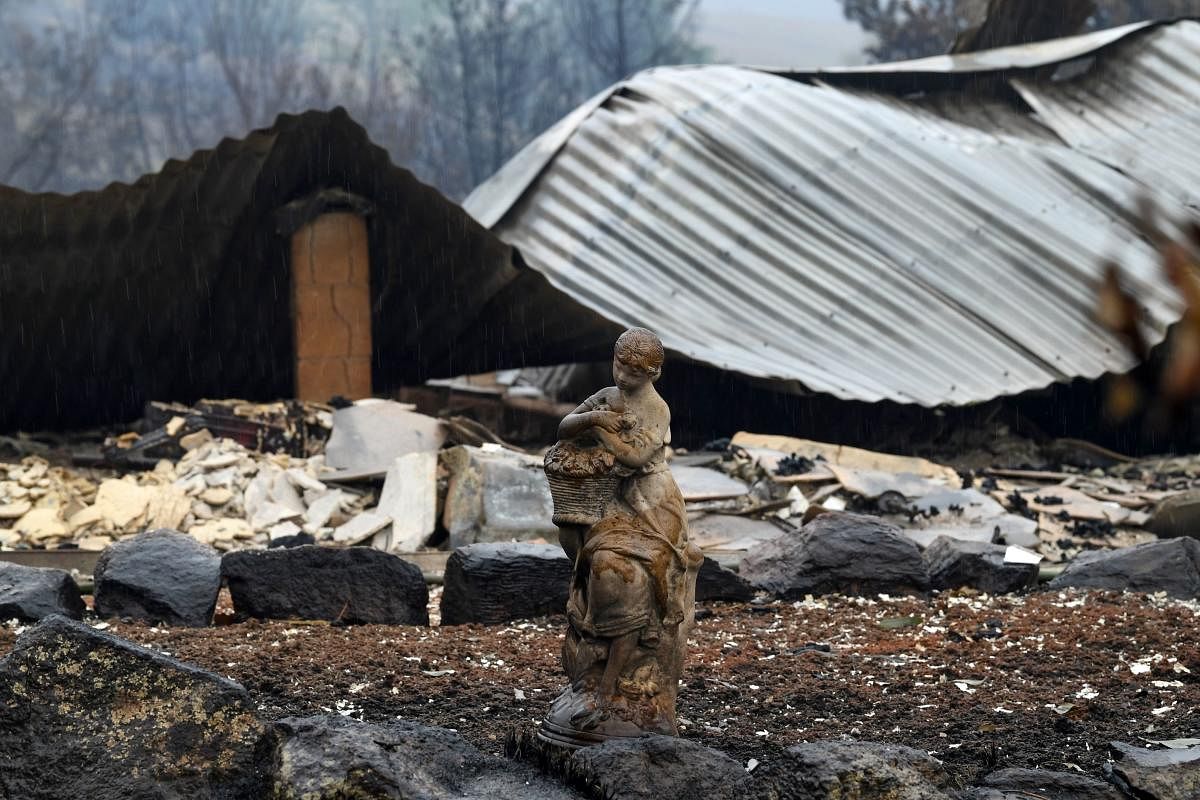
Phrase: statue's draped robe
pixel 631 571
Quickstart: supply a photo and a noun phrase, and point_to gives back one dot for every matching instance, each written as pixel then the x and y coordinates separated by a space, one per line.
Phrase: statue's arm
pixel 582 418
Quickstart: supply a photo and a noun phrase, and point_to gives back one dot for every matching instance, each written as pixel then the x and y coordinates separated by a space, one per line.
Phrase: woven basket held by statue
pixel 583 479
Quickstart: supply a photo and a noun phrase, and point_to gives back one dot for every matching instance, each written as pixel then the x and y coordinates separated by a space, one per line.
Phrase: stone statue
pixel 622 521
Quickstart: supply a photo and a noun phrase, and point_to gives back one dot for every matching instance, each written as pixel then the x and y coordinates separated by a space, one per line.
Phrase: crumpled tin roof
pixel 937 248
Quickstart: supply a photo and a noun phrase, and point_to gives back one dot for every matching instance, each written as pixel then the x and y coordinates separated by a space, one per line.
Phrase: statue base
pixel 577 720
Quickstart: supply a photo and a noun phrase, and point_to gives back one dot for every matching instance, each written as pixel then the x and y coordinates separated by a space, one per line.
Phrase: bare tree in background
pixel 258 45
pixel 619 37
pixel 103 90
pixel 906 29
pixel 478 81
pixel 47 70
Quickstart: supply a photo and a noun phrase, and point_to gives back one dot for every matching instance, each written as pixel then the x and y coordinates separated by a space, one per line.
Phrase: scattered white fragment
pixel 1087 693
pixel 1139 668
pixel 1175 744
pixel 1019 555
pixel 518 694
pixel 751 765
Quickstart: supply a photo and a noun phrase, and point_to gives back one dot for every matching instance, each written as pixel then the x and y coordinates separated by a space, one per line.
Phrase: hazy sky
pixel 785 33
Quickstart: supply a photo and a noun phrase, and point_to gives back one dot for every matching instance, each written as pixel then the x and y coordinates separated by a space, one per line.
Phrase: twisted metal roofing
pixel 940 249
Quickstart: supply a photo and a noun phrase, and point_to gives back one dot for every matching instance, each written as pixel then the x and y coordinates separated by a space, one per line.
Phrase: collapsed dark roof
pixel 177 286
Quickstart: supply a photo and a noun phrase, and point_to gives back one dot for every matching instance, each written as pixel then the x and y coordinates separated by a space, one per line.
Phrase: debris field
pixel 982 682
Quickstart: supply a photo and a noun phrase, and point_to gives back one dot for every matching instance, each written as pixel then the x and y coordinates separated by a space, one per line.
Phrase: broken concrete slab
pixel 225 529
pixel 495 582
pixel 361 527
pixel 496 495
pixel 85 714
pixel 356 585
pixel 15 509
pixel 158 576
pixel 41 524
pixel 121 502
pixel 1170 565
pixel 853 457
pixel 31 593
pixel 730 531
pixel 368 436
pixel 409 499
pixel 322 508
pixel 702 483
pixel 871 483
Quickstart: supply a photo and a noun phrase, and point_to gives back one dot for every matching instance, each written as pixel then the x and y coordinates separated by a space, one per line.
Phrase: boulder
pixel 654 767
pixel 1178 515
pixel 953 563
pixel 1025 784
pixel 1155 774
pixel 834 770
pixel 86 714
pixel 496 582
pixel 332 758
pixel 715 582
pixel 352 584
pixel 495 495
pixel 1171 566
pixel 158 576
pixel 30 593
pixel 838 552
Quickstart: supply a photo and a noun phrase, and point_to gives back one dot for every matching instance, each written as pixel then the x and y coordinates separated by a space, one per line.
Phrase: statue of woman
pixel 633 588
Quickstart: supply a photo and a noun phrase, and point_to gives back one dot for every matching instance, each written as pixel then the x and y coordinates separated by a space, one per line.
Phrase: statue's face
pixel 628 378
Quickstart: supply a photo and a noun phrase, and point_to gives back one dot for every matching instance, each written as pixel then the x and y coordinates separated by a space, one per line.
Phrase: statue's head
pixel 637 358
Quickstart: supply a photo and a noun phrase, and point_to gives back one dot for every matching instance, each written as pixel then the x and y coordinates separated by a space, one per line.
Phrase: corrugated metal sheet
pixel 936 250
pixel 1138 113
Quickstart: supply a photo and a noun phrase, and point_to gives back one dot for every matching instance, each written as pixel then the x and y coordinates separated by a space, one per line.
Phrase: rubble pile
pixel 219 492
pixel 404 482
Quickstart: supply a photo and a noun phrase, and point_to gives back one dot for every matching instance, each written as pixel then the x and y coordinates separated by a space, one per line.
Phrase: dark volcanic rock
pixel 159 576
pixel 715 582
pixel 837 552
pixel 1020 784
pixel 1171 566
pixel 953 563
pixel 334 758
pixel 30 593
pixel 500 581
pixel 1155 774
pixel 835 770
pixel 356 585
pixel 85 714
pixel 296 540
pixel 659 767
